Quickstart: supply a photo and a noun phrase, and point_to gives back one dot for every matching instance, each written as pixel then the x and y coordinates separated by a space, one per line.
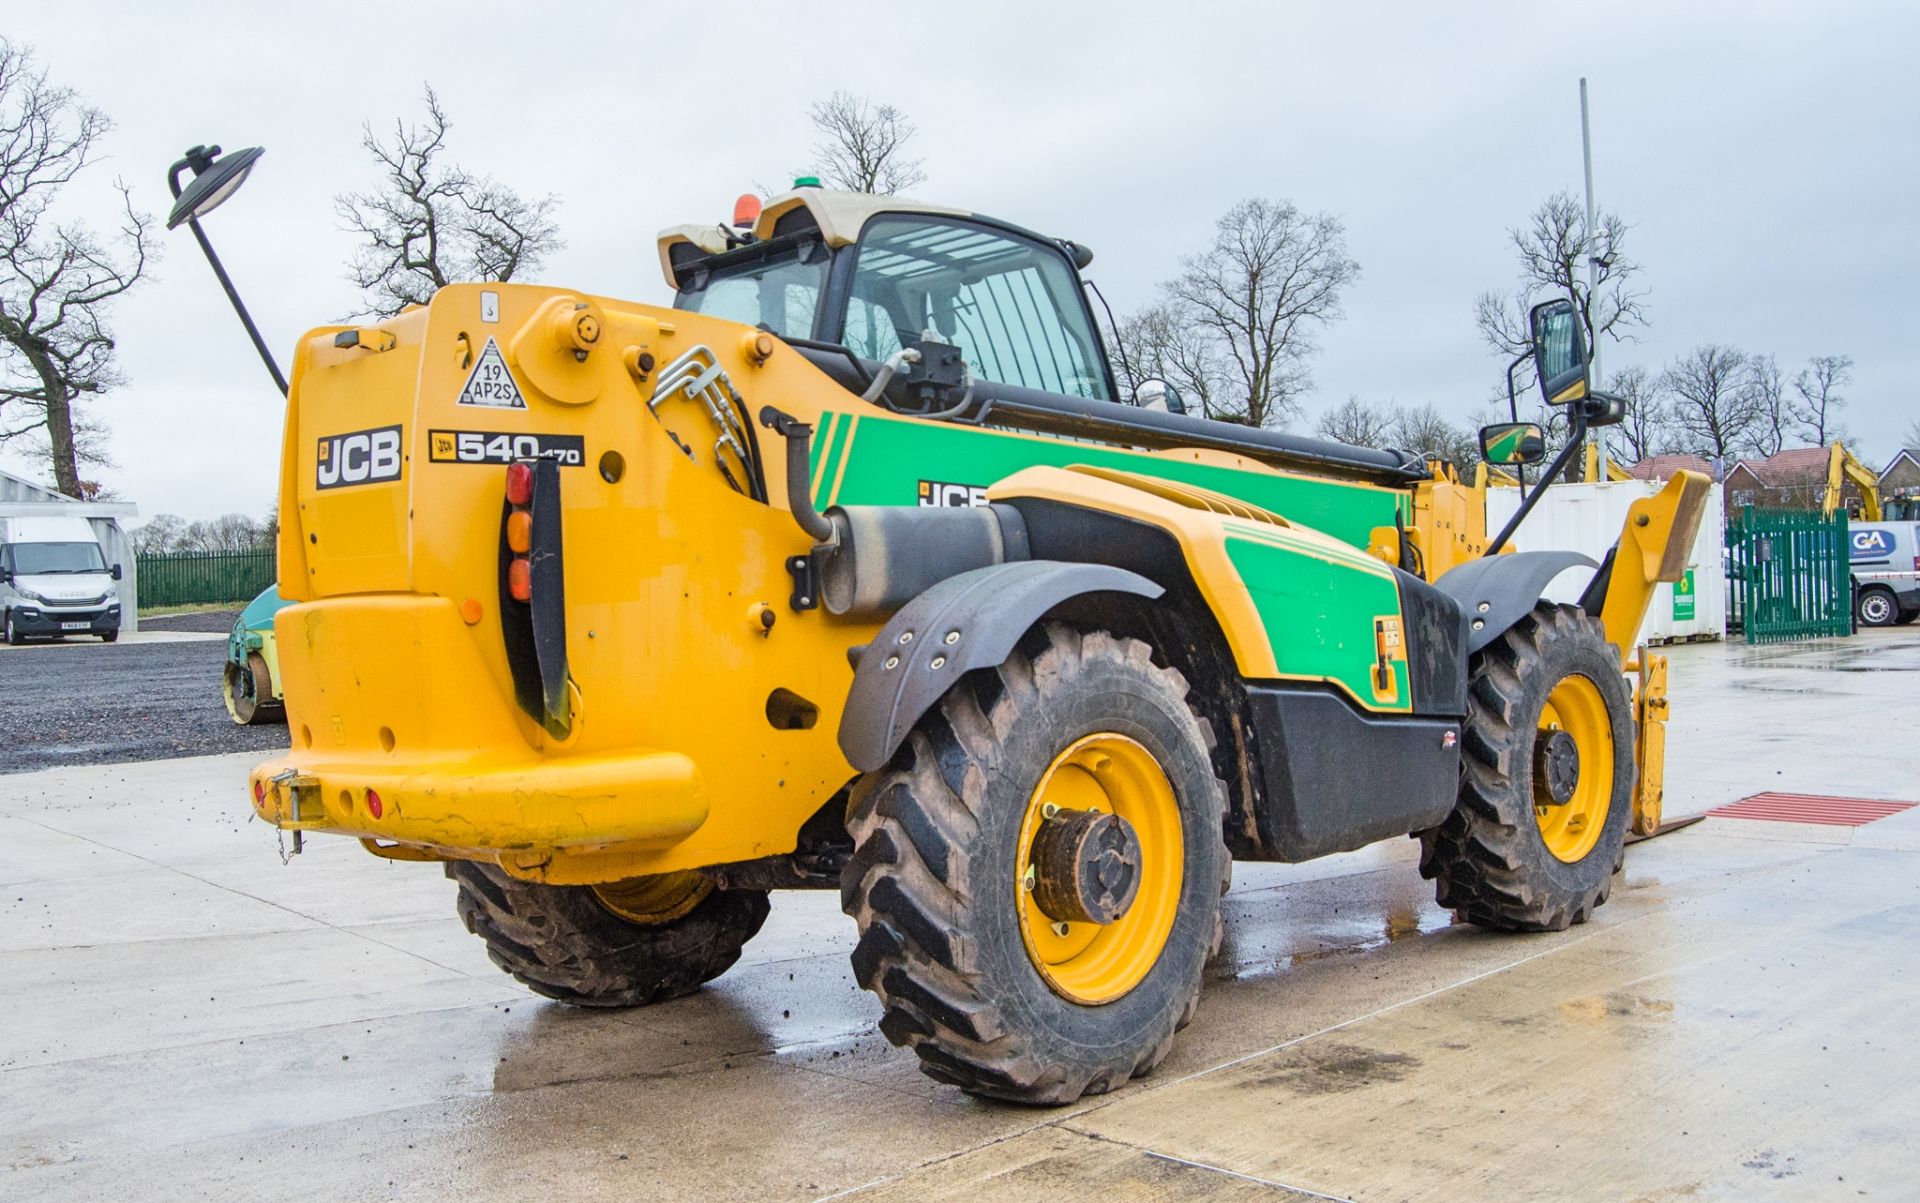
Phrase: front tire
pixel 109 636
pixel 621 945
pixel 1547 779
pixel 992 994
pixel 1875 606
pixel 14 637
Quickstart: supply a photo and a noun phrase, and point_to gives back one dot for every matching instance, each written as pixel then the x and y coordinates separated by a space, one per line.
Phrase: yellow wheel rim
pixel 1096 963
pixel 1571 829
pixel 655 901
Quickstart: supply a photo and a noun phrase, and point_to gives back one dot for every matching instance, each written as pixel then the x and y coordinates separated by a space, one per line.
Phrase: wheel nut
pixel 1061 929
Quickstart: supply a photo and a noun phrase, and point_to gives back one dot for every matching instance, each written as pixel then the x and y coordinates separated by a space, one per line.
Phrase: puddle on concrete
pixel 1336 1069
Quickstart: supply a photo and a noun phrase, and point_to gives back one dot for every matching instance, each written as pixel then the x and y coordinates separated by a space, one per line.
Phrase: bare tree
pixel 1913 434
pixel 158 535
pixel 1552 253
pixel 1772 422
pixel 1647 428
pixel 862 145
pixel 58 279
pixel 1424 430
pixel 430 223
pixel 1817 389
pixel 1272 278
pixel 1713 409
pixel 1359 424
pixel 1160 342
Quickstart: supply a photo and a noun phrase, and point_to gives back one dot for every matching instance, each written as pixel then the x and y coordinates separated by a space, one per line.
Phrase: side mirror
pixel 6 576
pixel 1157 394
pixel 1559 351
pixel 115 572
pixel 1513 443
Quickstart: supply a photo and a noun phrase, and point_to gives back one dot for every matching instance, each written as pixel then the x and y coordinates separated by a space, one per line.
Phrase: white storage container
pixel 1586 518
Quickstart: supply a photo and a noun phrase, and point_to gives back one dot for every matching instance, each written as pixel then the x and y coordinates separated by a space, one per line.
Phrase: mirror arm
pixel 1513 408
pixel 1576 435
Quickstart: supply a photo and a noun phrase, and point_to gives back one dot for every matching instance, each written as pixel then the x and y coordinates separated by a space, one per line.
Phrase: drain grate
pixel 1810 808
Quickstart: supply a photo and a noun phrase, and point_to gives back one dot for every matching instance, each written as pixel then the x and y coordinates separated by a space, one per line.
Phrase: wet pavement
pixel 189 1018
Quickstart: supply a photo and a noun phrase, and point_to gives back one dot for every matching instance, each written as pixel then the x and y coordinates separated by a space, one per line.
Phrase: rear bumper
pixel 52 620
pixel 644 799
pixel 395 706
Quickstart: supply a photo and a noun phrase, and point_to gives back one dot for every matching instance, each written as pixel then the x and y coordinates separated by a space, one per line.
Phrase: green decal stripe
pixel 1321 614
pixel 1292 541
pixel 829 462
pixel 895 454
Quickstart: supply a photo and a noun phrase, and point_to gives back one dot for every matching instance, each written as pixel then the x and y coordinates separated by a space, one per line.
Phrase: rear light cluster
pixel 520 529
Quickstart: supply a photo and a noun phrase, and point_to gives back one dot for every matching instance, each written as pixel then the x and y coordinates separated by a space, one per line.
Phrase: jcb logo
pixel 945 493
pixel 361 457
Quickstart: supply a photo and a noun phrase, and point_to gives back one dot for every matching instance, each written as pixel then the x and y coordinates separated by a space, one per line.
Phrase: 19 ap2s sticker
pixel 491 384
pixel 503 447
pixel 359 457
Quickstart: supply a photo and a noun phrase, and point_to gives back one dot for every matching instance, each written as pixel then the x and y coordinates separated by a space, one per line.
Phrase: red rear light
pixel 520 580
pixel 373 804
pixel 259 794
pixel 519 483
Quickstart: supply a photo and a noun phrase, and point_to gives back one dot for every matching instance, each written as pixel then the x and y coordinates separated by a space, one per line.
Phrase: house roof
pixel 1795 466
pixel 1661 467
pixel 1911 455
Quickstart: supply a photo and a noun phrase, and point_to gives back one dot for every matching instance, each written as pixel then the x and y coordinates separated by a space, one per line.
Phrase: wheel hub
pixel 1556 768
pixel 1086 866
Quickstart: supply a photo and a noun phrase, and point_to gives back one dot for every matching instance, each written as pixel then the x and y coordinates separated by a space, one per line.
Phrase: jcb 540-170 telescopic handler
pixel 852 570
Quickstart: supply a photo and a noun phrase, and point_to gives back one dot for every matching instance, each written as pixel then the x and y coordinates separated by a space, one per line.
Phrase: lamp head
pixel 215 178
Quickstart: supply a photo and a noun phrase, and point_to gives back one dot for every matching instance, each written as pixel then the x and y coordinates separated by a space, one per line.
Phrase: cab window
pixel 774 287
pixel 1011 305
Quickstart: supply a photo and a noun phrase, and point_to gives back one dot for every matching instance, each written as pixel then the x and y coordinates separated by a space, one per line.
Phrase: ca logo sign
pixel 358 458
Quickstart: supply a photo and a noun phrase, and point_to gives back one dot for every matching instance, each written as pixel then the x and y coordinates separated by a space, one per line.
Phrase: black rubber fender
pixel 1497 591
pixel 968 621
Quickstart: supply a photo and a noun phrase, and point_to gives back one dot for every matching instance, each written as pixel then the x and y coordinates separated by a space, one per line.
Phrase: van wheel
pixel 109 636
pixel 1037 872
pixel 14 636
pixel 1546 779
pixel 1875 606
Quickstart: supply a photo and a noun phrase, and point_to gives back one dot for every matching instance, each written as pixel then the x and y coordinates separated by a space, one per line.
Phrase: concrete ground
pixel 189 1018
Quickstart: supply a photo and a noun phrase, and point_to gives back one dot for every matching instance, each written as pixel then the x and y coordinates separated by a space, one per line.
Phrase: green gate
pixel 1788 575
pixel 202 577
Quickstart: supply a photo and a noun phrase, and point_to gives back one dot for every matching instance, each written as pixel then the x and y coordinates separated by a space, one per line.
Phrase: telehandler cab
pixel 853 569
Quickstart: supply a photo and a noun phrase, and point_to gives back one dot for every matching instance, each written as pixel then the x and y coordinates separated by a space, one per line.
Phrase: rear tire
pixel 1876 606
pixel 1490 859
pixel 948 939
pixel 566 943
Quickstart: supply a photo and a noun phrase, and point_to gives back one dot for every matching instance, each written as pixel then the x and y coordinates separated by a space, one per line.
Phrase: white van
pixel 1886 572
pixel 54 581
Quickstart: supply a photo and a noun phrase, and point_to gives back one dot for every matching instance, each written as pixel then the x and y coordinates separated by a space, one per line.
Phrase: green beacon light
pixel 806 181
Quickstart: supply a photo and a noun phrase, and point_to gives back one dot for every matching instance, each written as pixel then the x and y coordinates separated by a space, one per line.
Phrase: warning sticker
pixel 491 384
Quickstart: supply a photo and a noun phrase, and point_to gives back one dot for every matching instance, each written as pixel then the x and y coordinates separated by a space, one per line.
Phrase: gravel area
pixel 105 703
pixel 205 620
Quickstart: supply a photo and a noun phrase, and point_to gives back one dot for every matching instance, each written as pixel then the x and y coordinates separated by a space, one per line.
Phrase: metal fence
pixel 1789 575
pixel 187 578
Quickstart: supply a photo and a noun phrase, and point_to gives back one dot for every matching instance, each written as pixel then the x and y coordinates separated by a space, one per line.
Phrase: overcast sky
pixel 1763 152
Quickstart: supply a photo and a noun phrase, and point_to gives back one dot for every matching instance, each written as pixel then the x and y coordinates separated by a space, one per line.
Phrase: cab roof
pixel 840 217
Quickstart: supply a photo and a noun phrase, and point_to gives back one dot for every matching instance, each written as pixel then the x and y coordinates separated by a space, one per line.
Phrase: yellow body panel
pixel 467 770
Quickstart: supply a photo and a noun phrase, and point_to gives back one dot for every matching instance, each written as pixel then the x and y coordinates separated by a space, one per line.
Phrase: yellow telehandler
pixel 854 569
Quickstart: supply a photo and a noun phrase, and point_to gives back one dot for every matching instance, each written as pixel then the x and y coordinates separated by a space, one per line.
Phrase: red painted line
pixel 1823 810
